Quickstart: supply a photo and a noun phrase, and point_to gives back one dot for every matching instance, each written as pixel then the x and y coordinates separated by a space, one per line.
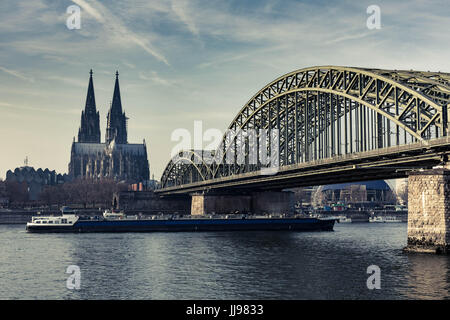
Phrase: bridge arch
pixel 185 167
pixel 321 112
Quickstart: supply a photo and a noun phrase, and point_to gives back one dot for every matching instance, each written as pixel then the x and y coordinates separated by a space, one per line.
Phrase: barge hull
pixel 296 224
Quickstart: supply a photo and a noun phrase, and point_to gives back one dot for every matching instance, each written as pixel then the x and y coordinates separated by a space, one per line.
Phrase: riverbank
pixel 15 217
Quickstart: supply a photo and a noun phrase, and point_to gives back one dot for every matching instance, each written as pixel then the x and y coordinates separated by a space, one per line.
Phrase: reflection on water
pixel 427 277
pixel 220 265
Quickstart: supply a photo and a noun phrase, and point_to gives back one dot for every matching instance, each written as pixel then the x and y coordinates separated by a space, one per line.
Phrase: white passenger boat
pixel 110 215
pixel 345 220
pixel 53 223
pixel 383 219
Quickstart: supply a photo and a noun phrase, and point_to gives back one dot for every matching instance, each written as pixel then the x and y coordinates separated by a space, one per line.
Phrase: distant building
pixel 35 180
pixel 144 186
pixel 115 158
pixel 401 190
pixel 304 195
pixel 377 191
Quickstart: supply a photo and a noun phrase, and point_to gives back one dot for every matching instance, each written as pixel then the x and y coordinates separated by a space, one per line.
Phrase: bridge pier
pixel 255 203
pixel 429 211
pixel 220 204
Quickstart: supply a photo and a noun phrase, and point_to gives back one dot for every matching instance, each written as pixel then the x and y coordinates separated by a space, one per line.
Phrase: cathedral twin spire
pixel 90 121
pixel 116 120
pixel 116 128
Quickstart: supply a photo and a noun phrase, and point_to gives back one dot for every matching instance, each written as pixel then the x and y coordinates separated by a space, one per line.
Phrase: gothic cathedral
pixel 115 158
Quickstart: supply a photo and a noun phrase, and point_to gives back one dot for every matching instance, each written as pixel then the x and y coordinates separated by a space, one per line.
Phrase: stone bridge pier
pixel 256 203
pixel 429 211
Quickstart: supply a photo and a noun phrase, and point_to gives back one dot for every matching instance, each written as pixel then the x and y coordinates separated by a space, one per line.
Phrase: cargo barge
pixel 119 222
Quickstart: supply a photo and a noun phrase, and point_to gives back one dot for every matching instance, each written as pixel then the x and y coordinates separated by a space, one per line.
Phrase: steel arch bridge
pixel 324 117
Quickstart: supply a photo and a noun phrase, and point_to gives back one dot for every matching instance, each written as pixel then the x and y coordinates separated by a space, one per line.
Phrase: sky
pixel 183 61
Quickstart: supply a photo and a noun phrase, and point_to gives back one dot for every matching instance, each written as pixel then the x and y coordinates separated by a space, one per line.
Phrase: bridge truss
pixel 322 113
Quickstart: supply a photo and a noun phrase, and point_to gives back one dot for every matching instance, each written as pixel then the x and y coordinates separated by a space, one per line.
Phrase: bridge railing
pixel 376 152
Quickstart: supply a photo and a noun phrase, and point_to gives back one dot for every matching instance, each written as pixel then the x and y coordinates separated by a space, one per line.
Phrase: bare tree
pixel 82 192
pixel 17 192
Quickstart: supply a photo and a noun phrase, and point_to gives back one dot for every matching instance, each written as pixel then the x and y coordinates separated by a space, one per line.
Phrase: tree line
pixel 85 193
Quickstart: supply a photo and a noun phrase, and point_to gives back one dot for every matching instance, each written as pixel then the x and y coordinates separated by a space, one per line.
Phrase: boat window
pixel 38 221
pixel 44 221
pixel 50 221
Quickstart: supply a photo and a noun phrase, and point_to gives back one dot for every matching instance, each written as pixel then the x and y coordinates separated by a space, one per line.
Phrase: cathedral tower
pixel 90 121
pixel 115 158
pixel 116 128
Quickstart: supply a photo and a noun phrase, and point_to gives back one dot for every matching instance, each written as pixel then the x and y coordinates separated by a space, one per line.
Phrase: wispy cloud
pixel 23 15
pixel 90 10
pixel 16 74
pixel 129 65
pixel 242 56
pixel 350 37
pixel 67 80
pixel 38 109
pixel 155 78
pixel 117 29
pixel 181 10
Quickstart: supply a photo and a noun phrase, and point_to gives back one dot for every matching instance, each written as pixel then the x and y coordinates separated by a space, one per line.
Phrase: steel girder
pixel 321 112
pixel 186 167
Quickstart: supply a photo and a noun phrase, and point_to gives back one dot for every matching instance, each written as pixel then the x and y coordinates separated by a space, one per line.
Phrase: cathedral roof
pixel 131 148
pixel 89 148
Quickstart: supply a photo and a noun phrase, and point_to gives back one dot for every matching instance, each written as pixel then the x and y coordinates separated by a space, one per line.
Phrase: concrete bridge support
pixel 256 203
pixel 429 211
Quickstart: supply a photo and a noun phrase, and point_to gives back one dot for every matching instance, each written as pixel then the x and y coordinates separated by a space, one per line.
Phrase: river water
pixel 220 265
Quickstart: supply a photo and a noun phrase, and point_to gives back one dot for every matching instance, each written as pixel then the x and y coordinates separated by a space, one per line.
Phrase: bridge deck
pixel 386 163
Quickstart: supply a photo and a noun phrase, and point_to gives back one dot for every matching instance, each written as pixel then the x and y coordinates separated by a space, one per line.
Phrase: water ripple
pixel 220 265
